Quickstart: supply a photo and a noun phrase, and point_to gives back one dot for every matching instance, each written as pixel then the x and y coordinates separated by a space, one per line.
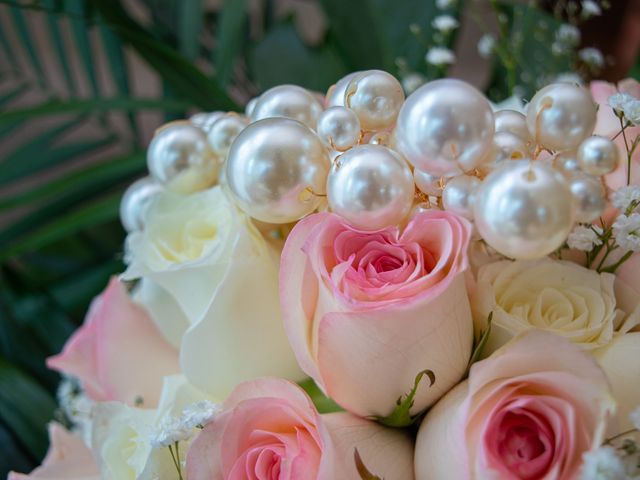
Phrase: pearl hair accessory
pixel 366 153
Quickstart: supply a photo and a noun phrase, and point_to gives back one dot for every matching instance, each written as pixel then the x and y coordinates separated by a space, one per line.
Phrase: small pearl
pixel 135 201
pixel 289 101
pixel 429 184
pixel 180 157
pixel 381 138
pixel 560 116
pixel 335 94
pixel 339 128
pixel 224 131
pixel 277 169
pixel 250 106
pixel 507 146
pixel 589 197
pixel 512 122
pixel 376 98
pixel 371 187
pixel 204 120
pixel 598 156
pixel 444 126
pixel 458 195
pixel 567 165
pixel 524 210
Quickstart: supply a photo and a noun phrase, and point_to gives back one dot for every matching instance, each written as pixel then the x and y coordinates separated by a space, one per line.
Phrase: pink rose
pixel 365 312
pixel 608 125
pixel 269 429
pixel 527 412
pixel 118 353
pixel 68 458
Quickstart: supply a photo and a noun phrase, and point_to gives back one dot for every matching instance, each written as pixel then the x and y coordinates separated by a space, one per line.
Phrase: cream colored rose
pixel 222 279
pixel 562 297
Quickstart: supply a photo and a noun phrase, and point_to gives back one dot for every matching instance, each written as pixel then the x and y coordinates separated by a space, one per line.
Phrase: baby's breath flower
pixel 199 413
pixel 444 4
pixel 590 9
pixel 584 238
pixel 486 45
pixel 592 57
pixel 171 430
pixel 625 196
pixel 618 101
pixel 412 82
pixel 440 56
pixel 632 112
pixel 445 23
pixel 568 34
pixel 627 232
pixel 635 418
pixel 602 464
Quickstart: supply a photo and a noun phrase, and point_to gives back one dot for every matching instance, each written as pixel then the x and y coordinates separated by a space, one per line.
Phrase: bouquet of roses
pixel 362 286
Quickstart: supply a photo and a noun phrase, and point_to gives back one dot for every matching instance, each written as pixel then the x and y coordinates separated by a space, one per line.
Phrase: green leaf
pixel 27 42
pixel 89 215
pixel 59 107
pixel 323 403
pixel 479 347
pixel 13 94
pixel 25 407
pixel 80 30
pixel 190 26
pixel 230 38
pixel 185 79
pixel 281 57
pixel 363 471
pixel 401 416
pixel 8 50
pixel 80 182
pixel 58 44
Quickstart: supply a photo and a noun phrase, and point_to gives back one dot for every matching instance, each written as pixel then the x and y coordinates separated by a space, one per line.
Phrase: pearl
pixel 589 197
pixel 339 128
pixel 512 122
pixel 204 120
pixel 381 138
pixel 566 164
pixel 560 116
pixel 335 94
pixel 507 146
pixel 250 107
pixel 135 201
pixel 458 195
pixel 524 209
pixel 180 157
pixel 276 170
pixel 224 131
pixel 289 101
pixel 376 97
pixel 598 156
pixel 429 184
pixel 445 125
pixel 371 187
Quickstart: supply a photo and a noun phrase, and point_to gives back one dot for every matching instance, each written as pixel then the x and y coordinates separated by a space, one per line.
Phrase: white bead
pixel 429 184
pixel 566 164
pixel 512 122
pixel 135 201
pixel 204 120
pixel 276 170
pixel 371 187
pixel 339 128
pixel 589 197
pixel 560 116
pixel 376 97
pixel 289 101
pixel 223 132
pixel 381 138
pixel 250 106
pixel 335 94
pixel 507 146
pixel 444 126
pixel 598 156
pixel 524 210
pixel 458 195
pixel 180 157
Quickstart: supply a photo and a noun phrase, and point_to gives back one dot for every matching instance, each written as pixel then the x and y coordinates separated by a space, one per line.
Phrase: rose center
pixel 386 263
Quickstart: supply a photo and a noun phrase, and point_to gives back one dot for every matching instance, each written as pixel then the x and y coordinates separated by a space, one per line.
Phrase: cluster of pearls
pixel 365 153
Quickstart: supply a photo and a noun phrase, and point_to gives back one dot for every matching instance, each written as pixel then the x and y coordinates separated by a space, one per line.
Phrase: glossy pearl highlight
pixel 180 157
pixel 458 195
pixel 223 132
pixel 589 197
pixel 376 98
pixel 288 101
pixel 598 156
pixel 135 201
pixel 560 116
pixel 524 210
pixel 444 126
pixel 371 187
pixel 339 128
pixel 512 122
pixel 276 170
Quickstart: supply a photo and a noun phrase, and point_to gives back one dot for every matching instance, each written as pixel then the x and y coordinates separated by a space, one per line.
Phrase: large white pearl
pixel 276 169
pixel 598 155
pixel 335 94
pixel 560 116
pixel 589 197
pixel 339 128
pixel 376 97
pixel 458 195
pixel 250 106
pixel 289 101
pixel 180 157
pixel 135 202
pixel 445 125
pixel 524 210
pixel 429 184
pixel 512 122
pixel 371 187
pixel 224 131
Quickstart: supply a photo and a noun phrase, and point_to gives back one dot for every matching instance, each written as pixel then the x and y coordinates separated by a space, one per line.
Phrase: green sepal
pixel 363 471
pixel 400 417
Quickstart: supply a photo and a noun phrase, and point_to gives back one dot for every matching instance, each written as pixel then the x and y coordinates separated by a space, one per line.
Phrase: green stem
pixel 626 147
pixel 623 434
pixel 614 267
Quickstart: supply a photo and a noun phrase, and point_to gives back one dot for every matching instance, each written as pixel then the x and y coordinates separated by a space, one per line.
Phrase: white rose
pixel 223 275
pixel 121 436
pixel 553 295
